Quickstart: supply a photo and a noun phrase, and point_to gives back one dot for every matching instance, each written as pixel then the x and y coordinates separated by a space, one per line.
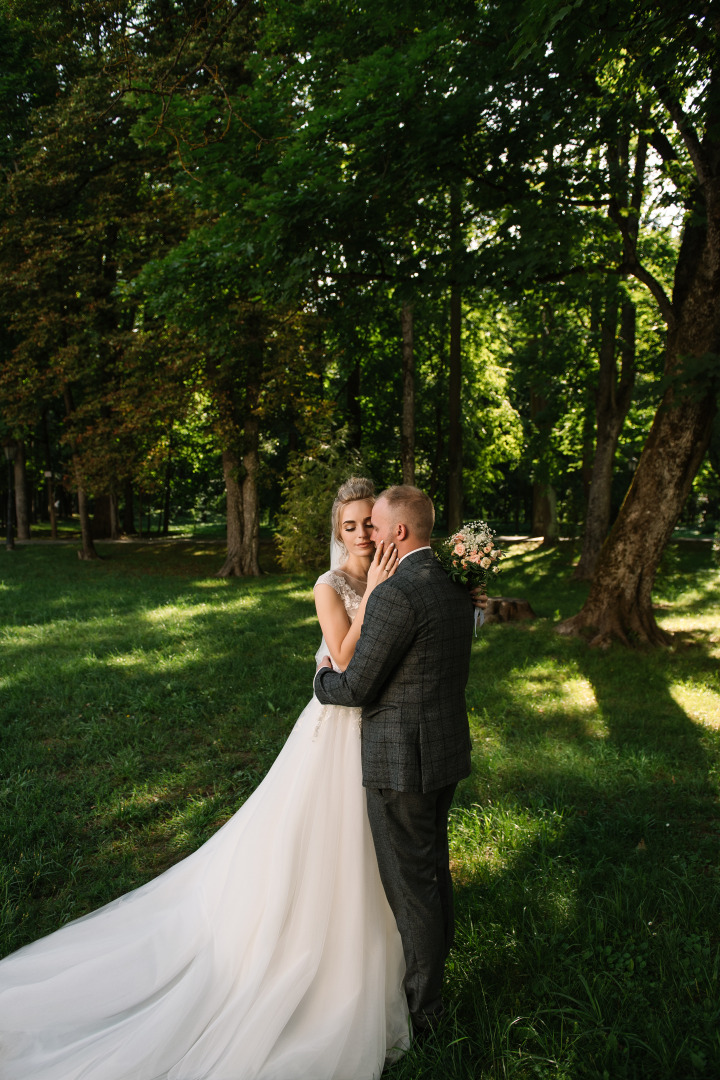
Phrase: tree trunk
pixel 620 603
pixel 454 507
pixel 49 477
pixel 21 494
pixel 128 518
pixel 102 526
pixel 620 600
pixel 544 506
pixel 455 449
pixel 88 548
pixel 545 519
pixel 243 507
pixel 114 517
pixel 407 433
pixel 250 500
pixel 613 402
pixel 232 567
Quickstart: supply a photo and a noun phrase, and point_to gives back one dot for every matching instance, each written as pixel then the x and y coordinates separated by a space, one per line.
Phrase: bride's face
pixel 355 527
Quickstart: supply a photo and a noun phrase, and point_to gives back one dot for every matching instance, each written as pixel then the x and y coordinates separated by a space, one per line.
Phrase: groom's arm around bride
pixel 409 674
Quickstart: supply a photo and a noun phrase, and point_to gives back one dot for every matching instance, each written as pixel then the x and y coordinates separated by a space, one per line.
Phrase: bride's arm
pixel 341 635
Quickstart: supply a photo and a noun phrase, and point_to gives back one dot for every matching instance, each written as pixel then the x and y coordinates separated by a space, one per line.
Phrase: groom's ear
pixel 401 531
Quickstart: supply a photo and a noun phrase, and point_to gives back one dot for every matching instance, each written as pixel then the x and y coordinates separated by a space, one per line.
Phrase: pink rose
pixel 488 549
pixel 459 549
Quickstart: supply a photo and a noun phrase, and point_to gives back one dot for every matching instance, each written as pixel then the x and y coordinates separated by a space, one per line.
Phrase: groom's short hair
pixel 412 507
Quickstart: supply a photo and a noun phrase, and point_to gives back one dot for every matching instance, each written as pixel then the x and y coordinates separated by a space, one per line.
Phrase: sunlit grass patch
pixel 143 700
pixel 700 703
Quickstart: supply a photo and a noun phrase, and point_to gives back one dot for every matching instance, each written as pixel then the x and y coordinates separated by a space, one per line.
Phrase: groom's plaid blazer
pixel 409 673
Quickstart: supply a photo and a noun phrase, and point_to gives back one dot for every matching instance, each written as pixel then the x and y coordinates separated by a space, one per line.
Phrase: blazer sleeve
pixel 388 630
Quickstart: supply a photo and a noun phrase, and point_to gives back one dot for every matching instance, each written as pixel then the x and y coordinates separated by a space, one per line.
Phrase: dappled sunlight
pixel 696 629
pixel 700 704
pixel 168 615
pixel 544 696
pixel 521 848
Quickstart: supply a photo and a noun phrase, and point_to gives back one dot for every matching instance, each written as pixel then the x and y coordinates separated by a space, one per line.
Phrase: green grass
pixel 142 700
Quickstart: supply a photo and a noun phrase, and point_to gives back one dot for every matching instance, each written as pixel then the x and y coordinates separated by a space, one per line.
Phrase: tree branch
pixel 687 132
pixel 662 145
pixel 631 264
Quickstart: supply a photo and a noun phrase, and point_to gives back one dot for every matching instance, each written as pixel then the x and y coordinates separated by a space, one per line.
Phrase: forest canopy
pixel 469 245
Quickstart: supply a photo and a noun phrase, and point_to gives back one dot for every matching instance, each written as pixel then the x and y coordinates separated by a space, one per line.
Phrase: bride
pixel 270 953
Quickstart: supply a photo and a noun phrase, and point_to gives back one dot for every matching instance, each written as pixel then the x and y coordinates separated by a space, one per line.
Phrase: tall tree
pixel 673 52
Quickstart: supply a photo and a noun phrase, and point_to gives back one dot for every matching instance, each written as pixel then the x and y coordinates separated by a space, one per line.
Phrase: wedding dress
pixel 270 953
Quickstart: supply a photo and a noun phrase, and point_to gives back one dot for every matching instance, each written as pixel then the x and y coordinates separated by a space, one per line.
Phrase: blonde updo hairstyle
pixel 354 489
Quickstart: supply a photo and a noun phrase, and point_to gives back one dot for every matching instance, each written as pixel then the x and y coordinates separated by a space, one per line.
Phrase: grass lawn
pixel 142 700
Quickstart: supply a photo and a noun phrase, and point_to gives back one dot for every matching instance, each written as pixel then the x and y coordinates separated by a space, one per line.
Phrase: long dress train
pixel 270 953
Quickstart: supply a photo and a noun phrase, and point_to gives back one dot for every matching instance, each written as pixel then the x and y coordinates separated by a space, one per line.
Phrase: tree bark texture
pixel 243 506
pixel 87 550
pixel 21 494
pixel 407 434
pixel 250 499
pixel 545 519
pixel 620 601
pixel 232 567
pixel 241 460
pixel 614 395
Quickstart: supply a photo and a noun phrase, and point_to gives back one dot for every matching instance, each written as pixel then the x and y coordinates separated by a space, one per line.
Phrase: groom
pixel 409 673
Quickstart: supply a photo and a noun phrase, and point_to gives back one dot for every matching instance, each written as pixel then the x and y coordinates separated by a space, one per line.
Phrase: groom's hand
pixel 324 662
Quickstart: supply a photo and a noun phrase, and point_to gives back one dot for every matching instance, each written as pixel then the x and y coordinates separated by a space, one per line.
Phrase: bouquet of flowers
pixel 470 555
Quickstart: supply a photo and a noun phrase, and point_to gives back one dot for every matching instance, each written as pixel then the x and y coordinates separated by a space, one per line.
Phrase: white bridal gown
pixel 269 954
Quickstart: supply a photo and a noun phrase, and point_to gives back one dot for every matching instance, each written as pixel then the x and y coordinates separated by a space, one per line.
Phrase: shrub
pixel 311 483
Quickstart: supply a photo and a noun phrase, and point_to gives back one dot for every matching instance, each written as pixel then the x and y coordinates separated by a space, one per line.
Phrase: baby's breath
pixel 470 554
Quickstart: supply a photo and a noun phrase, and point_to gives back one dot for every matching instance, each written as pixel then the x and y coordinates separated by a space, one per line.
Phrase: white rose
pixel 485 563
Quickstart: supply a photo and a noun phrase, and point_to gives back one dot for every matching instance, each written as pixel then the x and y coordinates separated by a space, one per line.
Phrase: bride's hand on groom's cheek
pixel 384 564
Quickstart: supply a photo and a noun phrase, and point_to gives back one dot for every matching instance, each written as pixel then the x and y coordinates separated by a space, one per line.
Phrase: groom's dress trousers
pixel 409 673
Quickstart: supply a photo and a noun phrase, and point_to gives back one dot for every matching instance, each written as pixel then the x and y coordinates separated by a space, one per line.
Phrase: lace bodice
pixel 343 585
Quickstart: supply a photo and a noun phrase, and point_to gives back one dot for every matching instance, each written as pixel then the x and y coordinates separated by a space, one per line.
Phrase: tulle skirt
pixel 269 954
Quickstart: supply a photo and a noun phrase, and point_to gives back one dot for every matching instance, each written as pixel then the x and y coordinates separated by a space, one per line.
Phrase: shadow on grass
pixel 586 846
pixel 137 719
